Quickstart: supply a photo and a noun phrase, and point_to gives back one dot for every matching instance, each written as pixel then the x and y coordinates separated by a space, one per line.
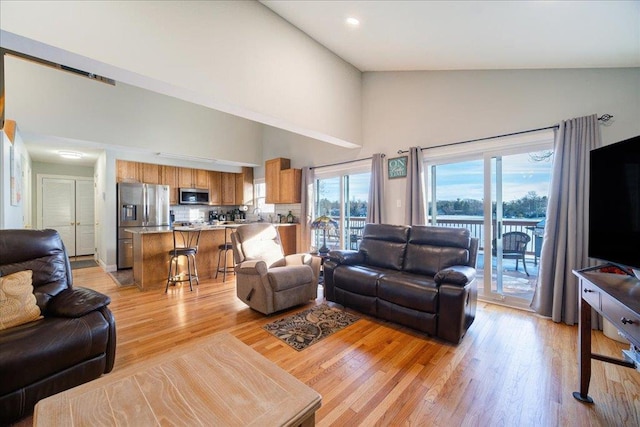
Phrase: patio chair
pixel 514 246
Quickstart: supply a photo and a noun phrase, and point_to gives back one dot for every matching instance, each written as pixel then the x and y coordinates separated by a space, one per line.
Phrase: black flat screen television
pixel 614 204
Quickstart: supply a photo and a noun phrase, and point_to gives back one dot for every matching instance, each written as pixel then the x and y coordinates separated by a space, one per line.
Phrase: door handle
pixel 73 223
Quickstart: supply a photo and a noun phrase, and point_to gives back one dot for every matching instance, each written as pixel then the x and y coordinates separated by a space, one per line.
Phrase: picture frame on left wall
pixel 15 177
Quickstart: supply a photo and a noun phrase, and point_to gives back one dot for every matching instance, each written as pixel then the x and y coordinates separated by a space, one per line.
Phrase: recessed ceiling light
pixel 354 22
pixel 70 154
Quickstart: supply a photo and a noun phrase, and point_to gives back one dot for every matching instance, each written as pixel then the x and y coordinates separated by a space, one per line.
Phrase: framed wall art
pixel 397 167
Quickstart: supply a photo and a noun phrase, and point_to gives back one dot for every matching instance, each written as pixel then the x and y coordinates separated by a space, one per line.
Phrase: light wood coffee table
pixel 218 381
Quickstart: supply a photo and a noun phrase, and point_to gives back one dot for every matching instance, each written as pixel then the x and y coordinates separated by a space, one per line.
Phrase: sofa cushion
pixel 384 245
pixel 17 302
pixel 291 276
pixel 431 249
pixel 409 290
pixel 360 280
pixel 61 343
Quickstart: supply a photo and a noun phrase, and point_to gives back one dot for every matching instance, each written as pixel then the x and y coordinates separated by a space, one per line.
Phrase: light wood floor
pixel 512 368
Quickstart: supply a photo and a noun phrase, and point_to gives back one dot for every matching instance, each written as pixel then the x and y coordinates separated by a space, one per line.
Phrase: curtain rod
pixel 604 118
pixel 345 162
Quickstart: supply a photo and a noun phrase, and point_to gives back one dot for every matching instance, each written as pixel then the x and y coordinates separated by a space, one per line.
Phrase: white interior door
pixel 68 207
pixel 85 230
pixel 58 209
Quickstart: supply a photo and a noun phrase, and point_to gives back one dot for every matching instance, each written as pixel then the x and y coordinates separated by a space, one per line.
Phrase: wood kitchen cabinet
pixel 201 178
pixel 127 171
pixel 290 180
pixel 193 178
pixel 150 173
pixel 272 170
pixel 288 238
pixel 225 188
pixel 169 176
pixel 244 187
pixel 228 188
pixel 215 187
pixel 185 178
pixel 282 182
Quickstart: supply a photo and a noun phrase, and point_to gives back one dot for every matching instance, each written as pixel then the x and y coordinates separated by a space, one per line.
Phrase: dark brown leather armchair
pixel 75 340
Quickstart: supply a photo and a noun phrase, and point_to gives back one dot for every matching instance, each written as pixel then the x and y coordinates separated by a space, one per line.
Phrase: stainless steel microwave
pixel 194 196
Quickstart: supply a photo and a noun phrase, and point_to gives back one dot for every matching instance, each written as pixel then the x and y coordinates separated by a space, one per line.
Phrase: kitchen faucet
pixel 258 212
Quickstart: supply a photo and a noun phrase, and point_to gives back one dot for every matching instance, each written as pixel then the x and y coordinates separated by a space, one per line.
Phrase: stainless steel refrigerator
pixel 139 205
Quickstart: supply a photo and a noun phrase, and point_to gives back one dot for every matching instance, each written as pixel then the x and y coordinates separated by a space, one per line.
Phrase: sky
pixel 520 173
pixel 464 180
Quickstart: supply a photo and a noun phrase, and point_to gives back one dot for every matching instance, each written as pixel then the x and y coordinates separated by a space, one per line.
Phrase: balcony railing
pixel 477 229
pixel 355 225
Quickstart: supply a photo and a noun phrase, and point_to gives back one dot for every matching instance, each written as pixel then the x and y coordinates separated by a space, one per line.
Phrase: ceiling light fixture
pixel 354 22
pixel 70 155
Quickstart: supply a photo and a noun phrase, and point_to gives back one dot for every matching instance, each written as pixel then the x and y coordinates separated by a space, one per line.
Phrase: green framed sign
pixel 397 167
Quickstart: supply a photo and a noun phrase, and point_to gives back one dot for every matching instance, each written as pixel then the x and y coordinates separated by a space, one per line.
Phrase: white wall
pixel 105 212
pixel 235 56
pixel 403 109
pixel 14 216
pixel 56 103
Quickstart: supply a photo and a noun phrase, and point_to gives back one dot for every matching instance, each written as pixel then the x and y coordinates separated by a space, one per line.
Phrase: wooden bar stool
pixel 223 249
pixel 185 244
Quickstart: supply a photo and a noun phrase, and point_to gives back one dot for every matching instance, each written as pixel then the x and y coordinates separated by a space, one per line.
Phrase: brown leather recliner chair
pixel 75 340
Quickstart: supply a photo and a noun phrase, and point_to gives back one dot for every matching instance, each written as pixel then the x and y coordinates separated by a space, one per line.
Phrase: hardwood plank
pixel 512 368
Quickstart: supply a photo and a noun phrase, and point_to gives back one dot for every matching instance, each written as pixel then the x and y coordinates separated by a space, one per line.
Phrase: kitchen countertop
pixel 204 227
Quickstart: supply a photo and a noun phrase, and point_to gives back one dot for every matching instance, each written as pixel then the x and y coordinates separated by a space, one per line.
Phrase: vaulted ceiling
pixel 471 35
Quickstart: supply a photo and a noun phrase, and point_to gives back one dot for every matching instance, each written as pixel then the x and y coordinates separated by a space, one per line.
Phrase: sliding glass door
pixel 343 197
pixel 501 197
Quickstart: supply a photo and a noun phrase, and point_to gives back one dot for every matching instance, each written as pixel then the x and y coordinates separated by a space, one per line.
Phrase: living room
pixel 316 120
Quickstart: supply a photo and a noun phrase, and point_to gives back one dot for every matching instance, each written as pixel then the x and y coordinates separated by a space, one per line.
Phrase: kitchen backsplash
pixel 184 213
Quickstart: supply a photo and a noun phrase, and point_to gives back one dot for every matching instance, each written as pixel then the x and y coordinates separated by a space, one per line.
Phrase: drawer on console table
pixel 591 294
pixel 624 319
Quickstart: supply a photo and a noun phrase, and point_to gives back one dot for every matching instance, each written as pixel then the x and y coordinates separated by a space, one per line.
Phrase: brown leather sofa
pixel 75 340
pixel 422 277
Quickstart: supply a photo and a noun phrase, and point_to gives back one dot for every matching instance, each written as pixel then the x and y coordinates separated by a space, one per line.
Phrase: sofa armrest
pixel 76 302
pixel 346 257
pixel 252 267
pixel 459 275
pixel 298 259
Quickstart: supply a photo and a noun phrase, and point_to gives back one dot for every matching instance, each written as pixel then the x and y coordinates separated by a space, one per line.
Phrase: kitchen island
pixel 151 246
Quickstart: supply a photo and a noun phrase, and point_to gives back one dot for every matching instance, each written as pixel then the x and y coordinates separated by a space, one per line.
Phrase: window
pixel 344 197
pixel 260 196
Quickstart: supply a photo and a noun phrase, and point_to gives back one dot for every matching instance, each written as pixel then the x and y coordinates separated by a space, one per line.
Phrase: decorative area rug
pixel 123 277
pixel 83 264
pixel 310 326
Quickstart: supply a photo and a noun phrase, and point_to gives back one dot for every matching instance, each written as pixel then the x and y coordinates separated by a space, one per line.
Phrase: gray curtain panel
pixel 415 212
pixel 376 190
pixel 565 237
pixel 306 208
